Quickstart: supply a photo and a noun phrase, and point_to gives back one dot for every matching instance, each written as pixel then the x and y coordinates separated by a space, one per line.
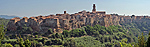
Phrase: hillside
pixel 82 29
pixel 84 36
pixel 4 21
pixel 137 26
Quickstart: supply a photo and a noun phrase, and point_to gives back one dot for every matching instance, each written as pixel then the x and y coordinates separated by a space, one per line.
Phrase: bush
pixel 16 45
pixel 39 44
pixel 27 43
pixel 36 36
pixel 8 45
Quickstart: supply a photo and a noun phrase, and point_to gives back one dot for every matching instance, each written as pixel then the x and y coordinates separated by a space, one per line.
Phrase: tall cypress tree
pixel 148 41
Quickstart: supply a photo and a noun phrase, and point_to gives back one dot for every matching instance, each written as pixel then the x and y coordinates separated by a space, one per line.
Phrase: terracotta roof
pixel 32 17
pixel 48 17
pixel 72 19
pixel 59 18
pixel 59 14
pixel 127 16
pixel 25 17
pixel 107 15
pixel 55 18
pixel 51 17
pixel 15 18
pixel 100 11
pixel 94 17
pixel 121 16
pixel 64 19
pixel 44 18
pixel 79 12
pixel 40 16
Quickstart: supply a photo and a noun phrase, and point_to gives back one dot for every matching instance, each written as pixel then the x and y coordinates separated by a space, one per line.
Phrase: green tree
pixel 123 43
pixel 43 41
pixel 96 33
pixel 20 40
pixel 27 43
pixel 57 35
pixel 141 41
pixel 8 45
pixel 89 30
pixel 83 32
pixel 40 44
pixel 36 36
pixel 66 33
pixel 34 43
pixel 30 29
pixel 148 41
pixel 50 31
pixel 2 33
pixel 16 45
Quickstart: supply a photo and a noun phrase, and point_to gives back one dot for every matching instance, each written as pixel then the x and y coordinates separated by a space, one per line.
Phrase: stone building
pixel 65 21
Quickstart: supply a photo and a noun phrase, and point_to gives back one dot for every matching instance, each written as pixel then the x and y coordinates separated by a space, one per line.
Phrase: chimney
pixel 64 12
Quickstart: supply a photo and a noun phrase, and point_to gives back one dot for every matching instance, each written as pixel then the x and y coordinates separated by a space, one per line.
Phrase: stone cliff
pixel 60 22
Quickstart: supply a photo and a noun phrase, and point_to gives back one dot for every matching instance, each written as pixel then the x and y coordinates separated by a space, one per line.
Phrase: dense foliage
pixel 4 21
pixel 137 27
pixel 86 36
pixel 127 35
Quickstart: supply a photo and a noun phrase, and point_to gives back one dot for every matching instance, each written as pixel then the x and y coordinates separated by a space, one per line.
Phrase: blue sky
pixel 46 7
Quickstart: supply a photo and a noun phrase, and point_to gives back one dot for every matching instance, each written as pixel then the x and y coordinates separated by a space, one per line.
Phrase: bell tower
pixel 64 12
pixel 94 8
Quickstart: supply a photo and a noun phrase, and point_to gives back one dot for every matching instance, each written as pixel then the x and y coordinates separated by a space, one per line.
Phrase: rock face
pixel 66 21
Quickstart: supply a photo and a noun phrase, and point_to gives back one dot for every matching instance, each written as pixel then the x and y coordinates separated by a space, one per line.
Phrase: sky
pixel 29 8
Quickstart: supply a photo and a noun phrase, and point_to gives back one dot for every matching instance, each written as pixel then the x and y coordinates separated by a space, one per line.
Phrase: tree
pixel 27 43
pixel 66 33
pixel 103 31
pixel 40 44
pixel 43 41
pixel 36 36
pixel 75 33
pixel 83 32
pixel 141 41
pixel 50 31
pixel 2 33
pixel 21 42
pixel 72 43
pixel 96 33
pixel 148 41
pixel 89 30
pixel 8 45
pixel 57 35
pixel 30 29
pixel 16 45
pixel 124 44
pixel 34 43
pixel 46 34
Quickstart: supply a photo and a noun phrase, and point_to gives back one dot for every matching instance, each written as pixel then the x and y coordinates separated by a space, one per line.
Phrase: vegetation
pixel 129 35
pixel 4 21
pixel 1 33
pixel 137 28
pixel 87 36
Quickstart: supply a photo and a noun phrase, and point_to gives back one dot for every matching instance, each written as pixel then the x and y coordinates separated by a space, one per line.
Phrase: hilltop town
pixel 60 22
